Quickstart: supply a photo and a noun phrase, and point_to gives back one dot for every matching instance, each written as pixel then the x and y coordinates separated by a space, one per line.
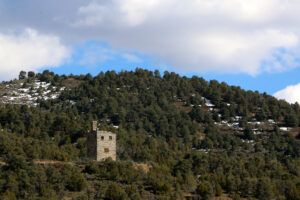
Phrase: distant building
pixel 101 144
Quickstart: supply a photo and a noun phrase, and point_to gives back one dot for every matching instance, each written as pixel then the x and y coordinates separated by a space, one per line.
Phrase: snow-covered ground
pixel 29 93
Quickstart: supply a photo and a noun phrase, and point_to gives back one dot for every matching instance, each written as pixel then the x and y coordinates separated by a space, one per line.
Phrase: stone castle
pixel 101 144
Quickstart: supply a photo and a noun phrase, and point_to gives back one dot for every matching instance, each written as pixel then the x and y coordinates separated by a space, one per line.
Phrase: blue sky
pixel 249 43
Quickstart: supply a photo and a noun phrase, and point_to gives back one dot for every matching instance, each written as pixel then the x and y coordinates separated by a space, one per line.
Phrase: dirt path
pixel 46 162
pixel 52 162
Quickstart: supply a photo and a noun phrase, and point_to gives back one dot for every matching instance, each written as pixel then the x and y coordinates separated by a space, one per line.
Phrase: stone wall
pixel 101 144
pixel 106 145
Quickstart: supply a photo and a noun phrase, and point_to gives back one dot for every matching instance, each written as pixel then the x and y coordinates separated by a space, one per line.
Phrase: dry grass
pixel 145 167
pixel 52 162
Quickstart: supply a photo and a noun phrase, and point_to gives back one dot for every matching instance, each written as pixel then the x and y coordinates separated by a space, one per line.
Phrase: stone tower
pixel 101 144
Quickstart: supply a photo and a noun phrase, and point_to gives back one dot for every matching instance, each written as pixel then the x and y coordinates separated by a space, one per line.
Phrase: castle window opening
pixel 110 137
pixel 106 150
pixel 102 137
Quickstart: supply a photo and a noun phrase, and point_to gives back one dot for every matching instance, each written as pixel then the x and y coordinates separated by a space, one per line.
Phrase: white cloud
pixel 93 13
pixel 136 12
pixel 227 36
pixel 29 50
pixel 131 58
pixel 291 93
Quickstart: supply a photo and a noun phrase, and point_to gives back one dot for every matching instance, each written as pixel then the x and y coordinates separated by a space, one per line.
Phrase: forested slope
pixel 199 139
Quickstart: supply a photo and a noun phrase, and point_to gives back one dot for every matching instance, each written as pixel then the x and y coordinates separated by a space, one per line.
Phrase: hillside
pixel 177 138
